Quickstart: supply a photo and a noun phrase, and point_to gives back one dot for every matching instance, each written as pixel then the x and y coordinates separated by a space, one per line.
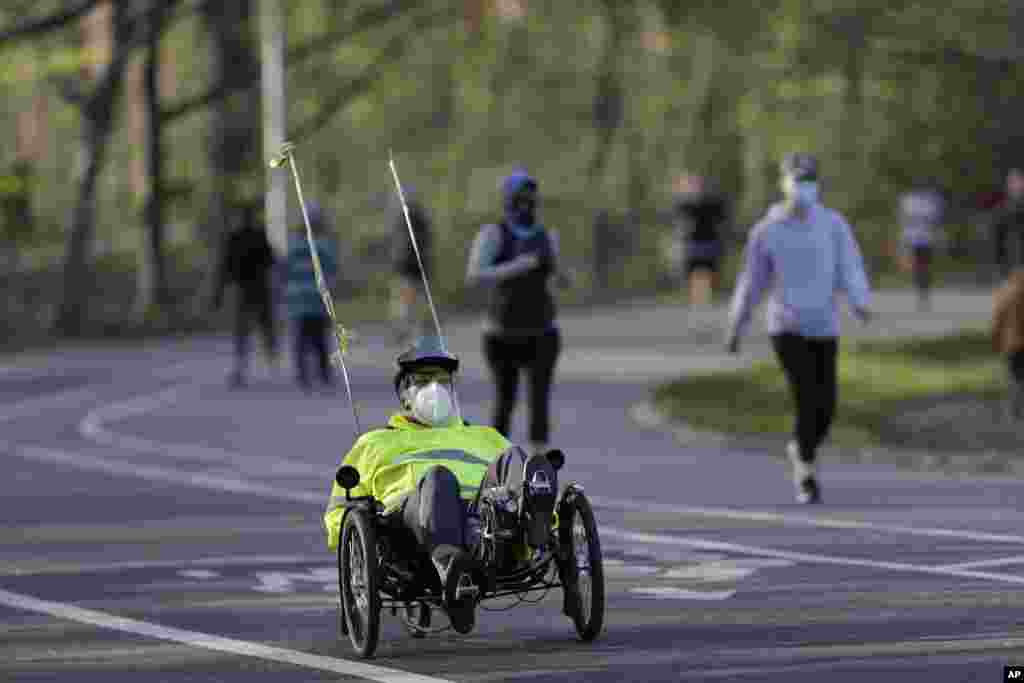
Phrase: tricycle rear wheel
pixel 582 565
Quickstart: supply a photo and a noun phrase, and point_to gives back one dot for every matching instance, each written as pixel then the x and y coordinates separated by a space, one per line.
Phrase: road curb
pixel 989 463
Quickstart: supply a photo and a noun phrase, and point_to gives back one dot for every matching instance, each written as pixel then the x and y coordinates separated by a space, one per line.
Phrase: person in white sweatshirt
pixel 803 255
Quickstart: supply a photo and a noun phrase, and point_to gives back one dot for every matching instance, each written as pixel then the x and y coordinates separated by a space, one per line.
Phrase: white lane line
pixel 672 593
pixel 201 574
pixel 236 485
pixel 1019 559
pixel 211 642
pixel 326 578
pixel 223 483
pixel 706 544
pixel 221 562
pixel 719 571
pixel 93 427
pixel 800 520
pixel 33 407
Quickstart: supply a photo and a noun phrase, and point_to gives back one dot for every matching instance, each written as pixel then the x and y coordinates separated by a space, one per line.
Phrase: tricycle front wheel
pixel 357 575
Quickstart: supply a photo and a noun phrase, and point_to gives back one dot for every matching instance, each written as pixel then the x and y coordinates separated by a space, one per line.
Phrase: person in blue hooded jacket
pixel 517 258
pixel 310 321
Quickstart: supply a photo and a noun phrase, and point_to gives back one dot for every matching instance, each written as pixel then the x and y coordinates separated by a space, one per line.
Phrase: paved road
pixel 158 526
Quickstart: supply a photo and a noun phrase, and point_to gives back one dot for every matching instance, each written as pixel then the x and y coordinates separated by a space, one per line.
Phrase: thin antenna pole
pixel 341 334
pixel 416 249
pixel 423 274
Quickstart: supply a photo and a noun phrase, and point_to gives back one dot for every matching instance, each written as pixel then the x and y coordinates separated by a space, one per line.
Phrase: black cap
pixel 427 350
pixel 800 166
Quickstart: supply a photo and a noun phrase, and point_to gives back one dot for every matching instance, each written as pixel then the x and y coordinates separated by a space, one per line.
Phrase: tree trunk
pixel 156 259
pixel 97 114
pixel 853 154
pixel 608 102
pixel 608 111
pixel 233 134
pixel 96 128
pixel 702 68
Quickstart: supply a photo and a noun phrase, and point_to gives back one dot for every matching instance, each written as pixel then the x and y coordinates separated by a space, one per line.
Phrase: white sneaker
pixel 804 476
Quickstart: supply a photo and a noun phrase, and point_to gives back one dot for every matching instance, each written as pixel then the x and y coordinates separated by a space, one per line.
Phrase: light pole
pixel 275 112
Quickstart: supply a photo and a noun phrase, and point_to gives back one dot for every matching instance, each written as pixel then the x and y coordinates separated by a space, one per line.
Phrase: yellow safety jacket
pixel 391 461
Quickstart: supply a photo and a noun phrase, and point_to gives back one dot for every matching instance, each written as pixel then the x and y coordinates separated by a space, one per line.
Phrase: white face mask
pixel 432 405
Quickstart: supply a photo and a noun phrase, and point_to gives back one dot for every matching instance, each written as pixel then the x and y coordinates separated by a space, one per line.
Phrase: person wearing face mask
pixel 517 258
pixel 803 255
pixel 427 465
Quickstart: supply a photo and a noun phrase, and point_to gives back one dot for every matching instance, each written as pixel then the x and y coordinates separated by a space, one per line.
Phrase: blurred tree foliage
pixel 604 101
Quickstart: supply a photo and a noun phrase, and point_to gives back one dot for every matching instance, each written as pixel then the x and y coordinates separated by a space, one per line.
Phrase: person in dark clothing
pixel 1008 224
pixel 407 287
pixel 700 217
pixel 310 321
pixel 518 258
pixel 247 260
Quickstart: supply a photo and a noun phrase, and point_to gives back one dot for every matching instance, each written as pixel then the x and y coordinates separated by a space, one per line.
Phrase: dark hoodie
pixel 523 304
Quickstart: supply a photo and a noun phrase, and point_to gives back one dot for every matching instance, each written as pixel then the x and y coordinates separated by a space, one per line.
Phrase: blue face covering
pixel 520 191
pixel 804 193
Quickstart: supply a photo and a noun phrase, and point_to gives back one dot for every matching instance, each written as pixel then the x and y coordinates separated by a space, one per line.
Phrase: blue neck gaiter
pixel 524 232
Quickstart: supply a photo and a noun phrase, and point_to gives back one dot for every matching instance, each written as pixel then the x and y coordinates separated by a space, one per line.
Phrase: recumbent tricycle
pixel 381 566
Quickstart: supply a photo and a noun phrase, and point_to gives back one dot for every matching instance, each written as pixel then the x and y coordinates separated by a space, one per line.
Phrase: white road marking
pixel 222 483
pixel 94 428
pixel 236 561
pixel 725 570
pixel 238 485
pixel 209 641
pixel 618 569
pixel 714 571
pixel 32 407
pixel 673 593
pixel 202 574
pixel 284 582
pixel 1019 559
pixel 800 520
pixel 706 544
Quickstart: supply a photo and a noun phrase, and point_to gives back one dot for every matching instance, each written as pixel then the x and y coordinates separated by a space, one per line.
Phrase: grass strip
pixel 877 380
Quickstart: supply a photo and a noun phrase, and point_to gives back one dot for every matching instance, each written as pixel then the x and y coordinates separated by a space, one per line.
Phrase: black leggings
pixel 253 309
pixel 810 367
pixel 506 357
pixel 922 267
pixel 434 511
pixel 311 335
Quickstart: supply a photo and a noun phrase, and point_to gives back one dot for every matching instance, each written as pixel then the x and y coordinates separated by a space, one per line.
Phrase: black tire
pixel 357 569
pixel 584 573
pixel 417 613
